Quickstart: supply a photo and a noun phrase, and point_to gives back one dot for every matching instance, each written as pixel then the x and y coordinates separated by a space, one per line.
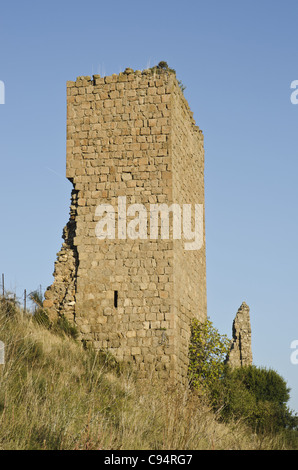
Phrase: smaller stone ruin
pixel 240 352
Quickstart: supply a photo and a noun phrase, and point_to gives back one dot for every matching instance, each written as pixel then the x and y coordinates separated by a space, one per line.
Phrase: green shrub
pixel 265 384
pixel 63 326
pixel 8 307
pixel 40 316
pixel 60 326
pixel 257 395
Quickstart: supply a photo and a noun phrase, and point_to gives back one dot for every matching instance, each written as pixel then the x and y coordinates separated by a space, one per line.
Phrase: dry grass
pixel 56 395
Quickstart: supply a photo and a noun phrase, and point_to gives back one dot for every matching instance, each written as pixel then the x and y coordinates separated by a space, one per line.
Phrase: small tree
pixel 163 65
pixel 207 353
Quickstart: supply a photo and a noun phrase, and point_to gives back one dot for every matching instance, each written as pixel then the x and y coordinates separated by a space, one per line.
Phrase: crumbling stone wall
pixel 240 352
pixel 131 135
pixel 60 297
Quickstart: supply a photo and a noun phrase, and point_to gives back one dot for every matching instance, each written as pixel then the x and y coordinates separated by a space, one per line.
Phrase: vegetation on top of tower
pixel 163 67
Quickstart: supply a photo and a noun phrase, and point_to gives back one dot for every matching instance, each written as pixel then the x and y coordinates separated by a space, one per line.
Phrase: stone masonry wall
pixel 131 135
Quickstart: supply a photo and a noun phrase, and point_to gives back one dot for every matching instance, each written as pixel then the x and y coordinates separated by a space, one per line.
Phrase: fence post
pixel 25 302
pixel 2 357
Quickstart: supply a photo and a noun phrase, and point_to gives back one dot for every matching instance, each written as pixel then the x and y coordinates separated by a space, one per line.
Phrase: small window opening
pixel 115 298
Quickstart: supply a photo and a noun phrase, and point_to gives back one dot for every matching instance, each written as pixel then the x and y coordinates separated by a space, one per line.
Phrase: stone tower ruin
pixel 131 136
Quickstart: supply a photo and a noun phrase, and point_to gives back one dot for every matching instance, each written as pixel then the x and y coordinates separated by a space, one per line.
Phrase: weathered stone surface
pixel 131 135
pixel 240 353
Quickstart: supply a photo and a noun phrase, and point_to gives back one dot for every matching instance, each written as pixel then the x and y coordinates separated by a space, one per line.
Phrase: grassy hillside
pixel 56 395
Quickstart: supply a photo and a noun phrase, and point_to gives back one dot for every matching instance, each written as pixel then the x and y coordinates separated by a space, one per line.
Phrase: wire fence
pixel 21 301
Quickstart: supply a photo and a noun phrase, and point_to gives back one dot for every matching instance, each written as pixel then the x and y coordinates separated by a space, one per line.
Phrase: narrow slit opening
pixel 115 298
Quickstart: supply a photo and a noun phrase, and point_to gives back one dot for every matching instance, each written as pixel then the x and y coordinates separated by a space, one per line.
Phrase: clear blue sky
pixel 237 60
